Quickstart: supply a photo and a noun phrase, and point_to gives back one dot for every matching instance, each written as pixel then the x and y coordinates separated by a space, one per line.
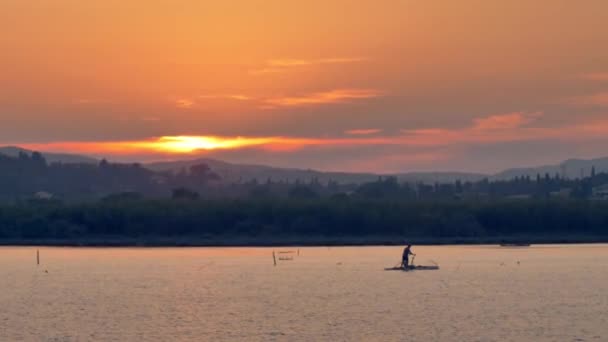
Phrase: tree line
pixel 433 219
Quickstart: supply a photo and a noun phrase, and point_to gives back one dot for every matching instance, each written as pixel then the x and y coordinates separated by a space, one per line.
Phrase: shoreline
pixel 318 241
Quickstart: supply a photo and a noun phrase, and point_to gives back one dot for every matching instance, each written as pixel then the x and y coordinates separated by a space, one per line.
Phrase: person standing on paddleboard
pixel 406 253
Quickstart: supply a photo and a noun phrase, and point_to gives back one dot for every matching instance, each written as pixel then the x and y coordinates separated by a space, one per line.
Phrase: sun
pixel 190 144
pixel 186 144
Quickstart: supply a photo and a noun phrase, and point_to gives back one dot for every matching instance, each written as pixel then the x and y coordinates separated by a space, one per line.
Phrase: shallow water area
pixel 480 293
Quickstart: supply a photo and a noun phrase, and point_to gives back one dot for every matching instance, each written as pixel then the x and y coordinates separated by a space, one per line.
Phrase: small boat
pixel 413 268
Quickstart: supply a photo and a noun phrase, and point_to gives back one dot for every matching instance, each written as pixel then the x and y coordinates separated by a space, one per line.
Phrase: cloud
pixel 263 71
pixel 513 127
pixel 367 131
pixel 328 97
pixel 282 65
pixel 598 76
pixel 236 97
pixel 493 128
pixel 184 103
pixel 505 121
pixel 299 62
pixel 598 100
pixel 190 102
pixel 239 97
pixel 425 131
pixel 285 63
pixel 87 101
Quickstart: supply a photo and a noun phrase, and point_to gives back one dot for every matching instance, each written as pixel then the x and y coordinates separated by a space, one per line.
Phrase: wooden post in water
pixel 37 257
pixel 274 258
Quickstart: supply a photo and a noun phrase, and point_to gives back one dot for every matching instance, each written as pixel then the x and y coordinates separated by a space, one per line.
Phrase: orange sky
pixel 391 85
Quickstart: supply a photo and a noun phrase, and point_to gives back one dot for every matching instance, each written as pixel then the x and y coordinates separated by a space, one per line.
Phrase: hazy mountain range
pixel 13 151
pixel 230 172
pixel 571 168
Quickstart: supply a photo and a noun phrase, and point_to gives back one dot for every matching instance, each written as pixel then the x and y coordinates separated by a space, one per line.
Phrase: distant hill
pixel 571 168
pixel 234 172
pixel 440 177
pixel 13 151
pixel 246 172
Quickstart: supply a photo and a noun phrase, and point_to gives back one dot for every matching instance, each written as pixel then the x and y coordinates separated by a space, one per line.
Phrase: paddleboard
pixel 413 268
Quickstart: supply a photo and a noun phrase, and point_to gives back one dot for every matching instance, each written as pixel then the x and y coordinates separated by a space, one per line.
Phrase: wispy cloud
pixel 193 101
pixel 489 129
pixel 282 65
pixel 328 97
pixel 597 76
pixel 184 103
pixel 516 129
pixel 240 97
pixel 367 131
pixel 300 62
pixel 424 131
pixel 236 97
pixel 90 101
pixel 598 100
pixel 505 121
pixel 318 98
pixel 266 70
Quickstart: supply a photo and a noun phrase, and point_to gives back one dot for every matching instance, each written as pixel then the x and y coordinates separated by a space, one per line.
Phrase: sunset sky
pixel 351 85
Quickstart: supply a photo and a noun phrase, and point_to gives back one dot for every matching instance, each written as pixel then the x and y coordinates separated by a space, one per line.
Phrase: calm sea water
pixel 481 293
